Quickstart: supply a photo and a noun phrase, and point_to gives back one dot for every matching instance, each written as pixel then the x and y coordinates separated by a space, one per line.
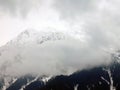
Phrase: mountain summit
pixel 27 47
pixel 38 37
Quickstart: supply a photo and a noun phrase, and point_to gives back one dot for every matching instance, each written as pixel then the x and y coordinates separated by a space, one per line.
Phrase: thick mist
pixel 93 27
pixel 51 58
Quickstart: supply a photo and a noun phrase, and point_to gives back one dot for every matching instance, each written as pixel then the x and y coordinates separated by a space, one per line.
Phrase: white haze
pixel 93 24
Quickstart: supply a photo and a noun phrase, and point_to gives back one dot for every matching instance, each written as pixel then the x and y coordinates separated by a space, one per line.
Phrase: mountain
pixel 29 49
pixel 20 55
pixel 37 37
pixel 15 52
pixel 13 55
pixel 103 77
pixel 25 82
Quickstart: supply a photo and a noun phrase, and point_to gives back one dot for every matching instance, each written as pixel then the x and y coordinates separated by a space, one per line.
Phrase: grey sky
pixel 100 17
pixel 90 16
pixel 18 15
pixel 75 8
pixel 16 7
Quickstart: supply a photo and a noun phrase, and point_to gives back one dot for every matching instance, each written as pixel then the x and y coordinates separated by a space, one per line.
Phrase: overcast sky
pixel 99 19
pixel 93 16
pixel 19 15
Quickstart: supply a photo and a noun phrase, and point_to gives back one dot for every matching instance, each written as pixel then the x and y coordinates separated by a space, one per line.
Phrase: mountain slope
pixel 96 78
pixel 27 60
pixel 103 77
pixel 15 53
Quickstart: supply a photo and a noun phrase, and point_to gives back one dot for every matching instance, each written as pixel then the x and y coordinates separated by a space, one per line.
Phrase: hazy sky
pixel 98 19
pixel 19 15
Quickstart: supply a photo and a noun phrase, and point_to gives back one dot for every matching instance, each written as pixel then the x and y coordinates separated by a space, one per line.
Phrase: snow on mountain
pixel 31 52
pixel 29 41
pixel 37 49
pixel 6 81
pixel 37 37
pixel 21 53
pixel 97 78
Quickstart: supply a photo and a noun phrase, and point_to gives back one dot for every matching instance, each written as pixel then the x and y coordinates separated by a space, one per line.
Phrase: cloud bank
pixel 100 19
pixel 93 24
pixel 50 58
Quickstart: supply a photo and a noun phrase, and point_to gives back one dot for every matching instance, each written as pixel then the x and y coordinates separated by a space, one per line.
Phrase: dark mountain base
pixel 97 78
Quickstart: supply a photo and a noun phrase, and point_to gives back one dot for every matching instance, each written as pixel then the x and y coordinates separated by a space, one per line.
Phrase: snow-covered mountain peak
pixel 38 37
pixel 26 48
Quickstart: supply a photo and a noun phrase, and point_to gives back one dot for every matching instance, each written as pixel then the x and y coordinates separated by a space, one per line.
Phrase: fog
pixel 93 27
pixel 51 57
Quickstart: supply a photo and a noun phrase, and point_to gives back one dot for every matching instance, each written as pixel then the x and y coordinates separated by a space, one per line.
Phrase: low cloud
pixel 100 20
pixel 52 57
pixel 100 26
